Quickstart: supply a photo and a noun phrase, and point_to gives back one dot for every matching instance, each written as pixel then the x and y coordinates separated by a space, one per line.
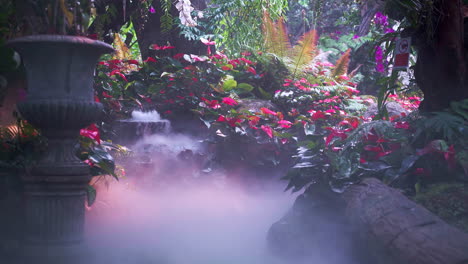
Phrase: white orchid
pixel 185 13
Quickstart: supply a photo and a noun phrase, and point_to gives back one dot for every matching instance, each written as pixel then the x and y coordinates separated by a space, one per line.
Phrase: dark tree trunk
pixel 440 70
pixel 149 32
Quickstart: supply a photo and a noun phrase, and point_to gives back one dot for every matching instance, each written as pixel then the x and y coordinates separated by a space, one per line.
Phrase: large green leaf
pixel 243 88
pixel 229 84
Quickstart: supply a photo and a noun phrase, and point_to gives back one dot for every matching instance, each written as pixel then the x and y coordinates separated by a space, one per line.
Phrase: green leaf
pixel 243 88
pixel 91 194
pixel 229 85
pixel 265 95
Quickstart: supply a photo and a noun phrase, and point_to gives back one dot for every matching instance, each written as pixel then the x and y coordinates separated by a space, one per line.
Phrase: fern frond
pixel 306 49
pixel 283 44
pixel 341 65
pixel 275 36
pixel 166 19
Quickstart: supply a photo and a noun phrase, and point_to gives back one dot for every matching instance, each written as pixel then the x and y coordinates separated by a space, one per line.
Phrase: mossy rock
pixel 447 200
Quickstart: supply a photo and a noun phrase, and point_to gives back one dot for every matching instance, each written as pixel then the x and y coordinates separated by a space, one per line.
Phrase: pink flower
pixel 267 130
pixel 284 123
pixel 91 132
pixel 207 42
pixel 229 101
pixel 267 111
pixel 197 58
pixel 379 59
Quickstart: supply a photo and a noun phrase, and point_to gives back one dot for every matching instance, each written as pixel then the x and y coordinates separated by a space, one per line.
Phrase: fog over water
pixel 167 211
pixel 182 225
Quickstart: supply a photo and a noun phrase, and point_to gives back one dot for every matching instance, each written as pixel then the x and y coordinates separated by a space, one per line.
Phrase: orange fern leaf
pixel 275 36
pixel 306 49
pixel 341 65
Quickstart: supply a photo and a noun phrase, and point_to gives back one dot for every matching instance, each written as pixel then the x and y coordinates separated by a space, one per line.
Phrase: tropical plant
pixel 237 24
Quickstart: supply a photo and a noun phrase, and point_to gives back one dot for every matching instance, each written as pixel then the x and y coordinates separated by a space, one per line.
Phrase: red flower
pixel 229 101
pixel 106 95
pixel 252 70
pixel 92 36
pixel 267 111
pixel 133 62
pixel 421 171
pixel 352 122
pixel 117 72
pixel 403 125
pixel 96 99
pixel 91 132
pixel 449 156
pixel 114 61
pixel 334 133
pixel 157 47
pixel 246 61
pixel 150 59
pixel 225 68
pixel 318 115
pixel 221 118
pixel 373 148
pixel 267 130
pixel 253 120
pixel 178 56
pixel 211 103
pixel 233 121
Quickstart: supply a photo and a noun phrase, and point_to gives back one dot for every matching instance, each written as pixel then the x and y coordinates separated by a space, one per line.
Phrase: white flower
pixel 185 13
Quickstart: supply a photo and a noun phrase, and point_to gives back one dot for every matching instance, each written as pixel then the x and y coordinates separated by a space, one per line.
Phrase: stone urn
pixel 59 102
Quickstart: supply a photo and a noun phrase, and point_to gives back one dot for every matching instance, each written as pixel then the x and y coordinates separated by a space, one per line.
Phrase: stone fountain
pixel 60 101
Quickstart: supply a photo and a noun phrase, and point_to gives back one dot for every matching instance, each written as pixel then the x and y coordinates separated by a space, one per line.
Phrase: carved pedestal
pixel 59 103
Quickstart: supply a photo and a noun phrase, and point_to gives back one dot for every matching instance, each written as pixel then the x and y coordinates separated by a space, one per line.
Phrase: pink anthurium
pixel 267 130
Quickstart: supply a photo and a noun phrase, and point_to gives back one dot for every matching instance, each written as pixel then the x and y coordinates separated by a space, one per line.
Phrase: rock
pixel 393 109
pixel 254 105
pixel 315 229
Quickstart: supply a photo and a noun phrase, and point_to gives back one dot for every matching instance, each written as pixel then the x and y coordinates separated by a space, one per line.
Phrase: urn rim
pixel 76 40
